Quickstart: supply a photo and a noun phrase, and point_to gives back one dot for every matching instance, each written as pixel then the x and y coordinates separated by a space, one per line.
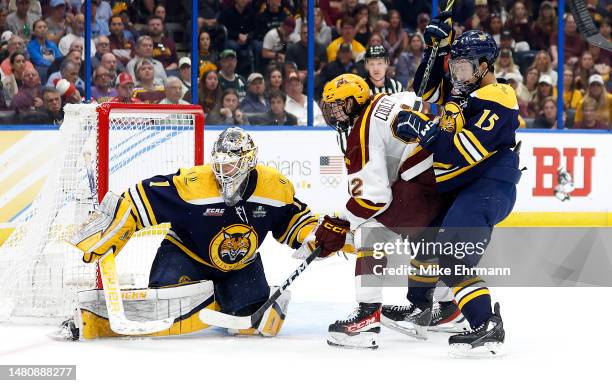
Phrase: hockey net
pixel 103 147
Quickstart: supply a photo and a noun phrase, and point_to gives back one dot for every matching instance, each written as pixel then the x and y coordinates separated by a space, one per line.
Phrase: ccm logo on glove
pixel 331 235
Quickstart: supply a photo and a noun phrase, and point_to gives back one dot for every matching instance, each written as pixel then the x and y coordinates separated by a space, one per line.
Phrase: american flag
pixel 331 164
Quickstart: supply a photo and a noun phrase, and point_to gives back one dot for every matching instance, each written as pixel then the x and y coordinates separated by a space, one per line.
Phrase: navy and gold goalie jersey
pixel 478 132
pixel 223 237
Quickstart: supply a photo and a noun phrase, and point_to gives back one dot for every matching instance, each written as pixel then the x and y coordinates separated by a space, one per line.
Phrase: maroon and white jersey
pixel 376 157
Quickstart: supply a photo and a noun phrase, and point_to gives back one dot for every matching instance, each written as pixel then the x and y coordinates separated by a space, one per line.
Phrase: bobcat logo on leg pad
pixel 233 247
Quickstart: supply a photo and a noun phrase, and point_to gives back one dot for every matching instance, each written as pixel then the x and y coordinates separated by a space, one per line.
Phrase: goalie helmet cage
pixel 103 147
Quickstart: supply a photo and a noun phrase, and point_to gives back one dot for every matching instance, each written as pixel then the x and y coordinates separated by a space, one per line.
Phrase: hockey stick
pixel 586 26
pixel 220 319
pixel 114 303
pixel 432 58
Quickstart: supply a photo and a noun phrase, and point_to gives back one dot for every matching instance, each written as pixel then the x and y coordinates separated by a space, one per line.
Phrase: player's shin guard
pixel 272 320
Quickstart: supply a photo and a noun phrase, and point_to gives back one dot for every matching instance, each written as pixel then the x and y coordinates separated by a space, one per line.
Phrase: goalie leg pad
pixel 181 303
pixel 109 227
pixel 272 320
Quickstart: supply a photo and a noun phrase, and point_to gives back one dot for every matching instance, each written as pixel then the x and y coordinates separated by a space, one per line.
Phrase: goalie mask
pixel 344 97
pixel 234 155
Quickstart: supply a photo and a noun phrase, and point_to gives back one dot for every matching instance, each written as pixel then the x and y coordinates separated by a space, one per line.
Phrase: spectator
pixel 343 64
pixel 274 80
pixel 103 11
pixel 78 31
pixel 34 7
pixel 516 83
pixel 323 31
pixel 480 20
pixel 141 10
pixel 518 22
pixel 376 63
pixel 3 15
pixel 495 27
pixel 209 13
pixel 69 70
pixel 164 49
pixel 422 20
pixel 506 41
pixel 173 89
pixel 148 89
pixel 275 41
pixel 21 22
pixel 584 69
pixel 144 50
pixel 571 95
pixel 597 94
pixel 295 53
pixel 102 48
pixel 527 93
pixel 544 27
pixel 160 11
pixel 348 37
pixel 102 91
pixel 210 91
pixel 376 11
pixel 129 30
pixel 575 44
pixel 98 27
pixel 11 82
pixel 269 17
pixel 297 102
pixel 409 61
pixel 15 44
pixel 238 19
pixel 185 75
pixel 276 116
pixel 255 101
pixel 227 75
pixel 125 89
pixel 362 20
pixel 547 116
pixel 410 10
pixel 52 106
pixel 505 65
pixel 111 63
pixel 29 95
pixel 543 62
pixel 589 118
pixel 227 113
pixel 120 45
pixel 75 54
pixel 42 51
pixel 208 56
pixel 58 21
pixel 544 90
pixel 395 36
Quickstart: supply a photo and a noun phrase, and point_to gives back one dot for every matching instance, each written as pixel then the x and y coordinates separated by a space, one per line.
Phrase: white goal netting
pixel 40 272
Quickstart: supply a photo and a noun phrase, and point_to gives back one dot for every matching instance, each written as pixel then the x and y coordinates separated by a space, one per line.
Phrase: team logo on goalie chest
pixel 259 212
pixel 233 247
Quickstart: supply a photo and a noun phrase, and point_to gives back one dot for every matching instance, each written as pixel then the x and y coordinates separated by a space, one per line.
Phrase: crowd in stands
pixel 252 60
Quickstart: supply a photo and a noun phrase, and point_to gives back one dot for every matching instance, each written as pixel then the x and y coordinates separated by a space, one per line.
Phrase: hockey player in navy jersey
pixel 475 167
pixel 219 215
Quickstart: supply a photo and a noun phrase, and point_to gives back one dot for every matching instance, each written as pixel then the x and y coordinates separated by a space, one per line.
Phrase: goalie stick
pixel 220 319
pixel 119 323
pixel 432 57
pixel 587 26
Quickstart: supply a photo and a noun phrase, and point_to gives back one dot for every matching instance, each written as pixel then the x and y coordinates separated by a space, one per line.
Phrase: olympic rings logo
pixel 330 181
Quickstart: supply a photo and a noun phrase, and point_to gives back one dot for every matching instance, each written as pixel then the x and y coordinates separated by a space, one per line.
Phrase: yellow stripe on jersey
pixel 448 176
pixel 462 150
pixel 466 283
pixel 440 165
pixel 500 93
pixel 475 294
pixel 369 206
pixel 164 183
pixel 297 230
pixel 362 129
pixel 129 197
pixel 365 253
pixel 272 187
pixel 147 204
pixel 292 222
pixel 187 250
pixel 474 141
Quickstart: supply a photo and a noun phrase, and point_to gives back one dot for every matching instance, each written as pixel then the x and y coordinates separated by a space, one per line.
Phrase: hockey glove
pixel 413 125
pixel 440 30
pixel 331 235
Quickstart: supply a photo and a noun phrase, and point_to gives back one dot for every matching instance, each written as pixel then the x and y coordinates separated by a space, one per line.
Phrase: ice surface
pixel 555 336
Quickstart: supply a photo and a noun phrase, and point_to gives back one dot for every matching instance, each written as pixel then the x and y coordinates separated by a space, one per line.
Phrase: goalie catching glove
pixel 109 227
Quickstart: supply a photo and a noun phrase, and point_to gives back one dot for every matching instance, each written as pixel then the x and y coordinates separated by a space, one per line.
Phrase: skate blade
pixel 489 350
pixel 363 340
pixel 453 327
pixel 410 329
